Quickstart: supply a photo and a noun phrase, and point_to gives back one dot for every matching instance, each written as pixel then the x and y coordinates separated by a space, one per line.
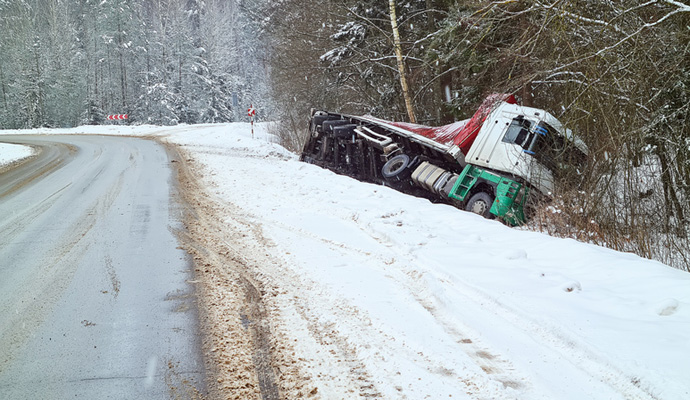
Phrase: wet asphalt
pixel 95 298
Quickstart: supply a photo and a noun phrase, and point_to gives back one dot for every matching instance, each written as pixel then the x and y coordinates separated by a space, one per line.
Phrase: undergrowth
pixel 566 217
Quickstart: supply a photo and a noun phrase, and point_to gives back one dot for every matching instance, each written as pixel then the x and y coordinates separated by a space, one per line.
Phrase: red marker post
pixel 251 112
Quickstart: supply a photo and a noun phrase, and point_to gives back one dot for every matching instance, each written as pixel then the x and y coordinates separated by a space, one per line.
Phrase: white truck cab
pixel 521 141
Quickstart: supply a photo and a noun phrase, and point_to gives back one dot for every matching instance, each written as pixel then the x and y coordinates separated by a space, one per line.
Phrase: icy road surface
pixel 93 295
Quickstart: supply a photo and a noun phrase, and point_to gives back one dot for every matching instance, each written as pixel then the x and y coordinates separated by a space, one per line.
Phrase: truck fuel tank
pixel 434 179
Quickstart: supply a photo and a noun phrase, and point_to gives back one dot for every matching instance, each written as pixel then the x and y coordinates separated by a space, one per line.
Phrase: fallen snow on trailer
pixel 444 135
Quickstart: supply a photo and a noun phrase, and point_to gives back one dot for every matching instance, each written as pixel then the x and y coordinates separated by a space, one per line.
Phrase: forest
pixel 71 62
pixel 616 73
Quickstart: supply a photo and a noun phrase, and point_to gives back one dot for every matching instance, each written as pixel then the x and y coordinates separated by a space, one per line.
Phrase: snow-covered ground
pixel 10 153
pixel 382 295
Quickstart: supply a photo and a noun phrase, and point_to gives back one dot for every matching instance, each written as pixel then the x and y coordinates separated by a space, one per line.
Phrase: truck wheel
pixel 344 131
pixel 317 121
pixel 480 203
pixel 396 169
pixel 328 125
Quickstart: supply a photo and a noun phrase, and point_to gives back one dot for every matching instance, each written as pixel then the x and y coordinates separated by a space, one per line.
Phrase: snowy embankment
pixel 11 153
pixel 382 295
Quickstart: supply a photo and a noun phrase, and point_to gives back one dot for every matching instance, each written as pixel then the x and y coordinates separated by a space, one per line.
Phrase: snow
pixel 10 153
pixel 389 296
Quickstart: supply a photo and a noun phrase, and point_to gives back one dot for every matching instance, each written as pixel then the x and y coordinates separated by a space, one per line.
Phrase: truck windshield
pixel 554 151
pixel 518 132
pixel 546 144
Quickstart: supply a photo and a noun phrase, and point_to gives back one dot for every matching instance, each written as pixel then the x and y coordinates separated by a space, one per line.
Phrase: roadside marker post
pixel 251 112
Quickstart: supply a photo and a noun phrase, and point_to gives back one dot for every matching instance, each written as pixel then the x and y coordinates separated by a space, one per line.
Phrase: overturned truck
pixel 493 164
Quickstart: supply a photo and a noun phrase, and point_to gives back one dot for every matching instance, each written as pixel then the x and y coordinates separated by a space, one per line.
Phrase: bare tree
pixel 401 63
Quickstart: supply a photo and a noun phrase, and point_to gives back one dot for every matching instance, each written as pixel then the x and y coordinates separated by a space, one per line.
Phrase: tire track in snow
pixel 241 242
pixel 256 270
pixel 493 362
pixel 492 366
pixel 495 365
pixel 238 332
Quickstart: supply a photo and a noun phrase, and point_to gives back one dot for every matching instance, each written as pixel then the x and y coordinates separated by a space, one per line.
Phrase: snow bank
pixel 10 153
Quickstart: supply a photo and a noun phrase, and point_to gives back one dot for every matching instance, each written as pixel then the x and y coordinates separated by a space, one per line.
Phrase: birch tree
pixel 401 63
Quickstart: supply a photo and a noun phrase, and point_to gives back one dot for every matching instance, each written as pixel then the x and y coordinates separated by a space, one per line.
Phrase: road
pixel 94 294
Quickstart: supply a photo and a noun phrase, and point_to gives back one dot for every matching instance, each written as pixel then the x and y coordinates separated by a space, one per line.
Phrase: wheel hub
pixel 479 207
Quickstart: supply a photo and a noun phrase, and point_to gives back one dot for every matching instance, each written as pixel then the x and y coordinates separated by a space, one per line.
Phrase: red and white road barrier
pixel 118 116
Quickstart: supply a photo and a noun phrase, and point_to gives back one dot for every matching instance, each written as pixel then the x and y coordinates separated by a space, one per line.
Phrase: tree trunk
pixel 446 88
pixel 401 63
pixel 2 87
pixel 445 82
pixel 123 69
pixel 38 92
pixel 673 207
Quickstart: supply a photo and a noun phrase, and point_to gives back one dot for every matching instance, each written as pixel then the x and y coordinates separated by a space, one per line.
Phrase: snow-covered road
pixel 369 293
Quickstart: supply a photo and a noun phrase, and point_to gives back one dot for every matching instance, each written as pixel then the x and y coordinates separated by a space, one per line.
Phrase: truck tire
pixel 344 131
pixel 317 123
pixel 480 203
pixel 332 123
pixel 396 169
